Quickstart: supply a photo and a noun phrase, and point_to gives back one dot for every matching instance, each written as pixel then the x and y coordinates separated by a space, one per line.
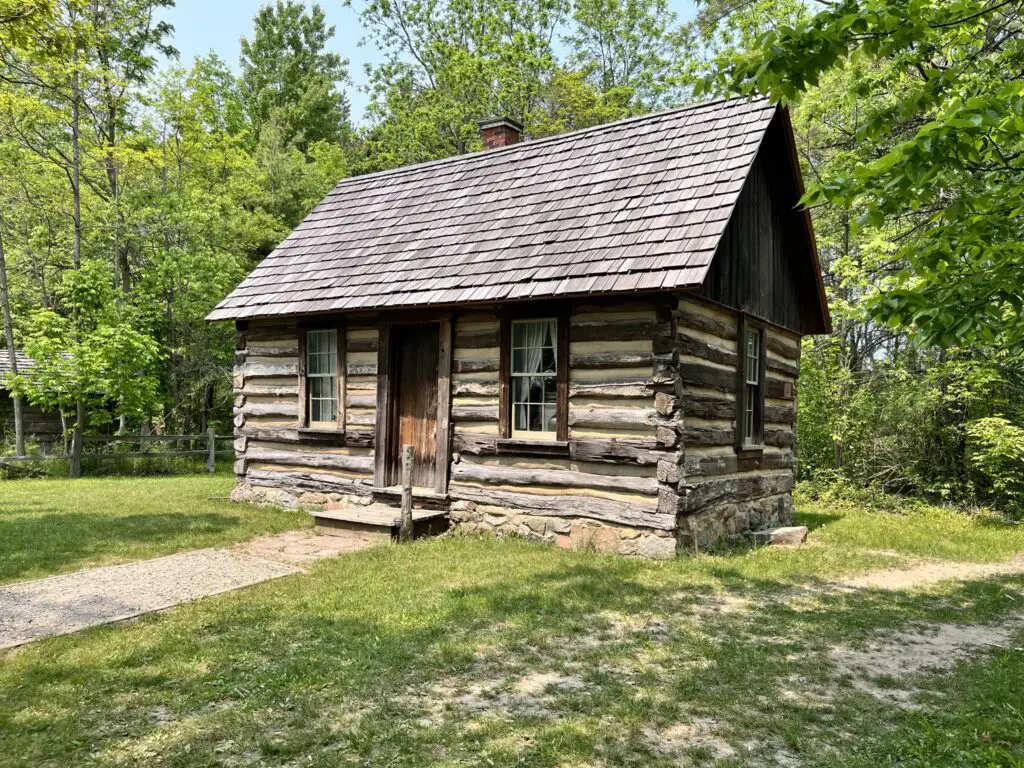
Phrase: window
pixel 750 424
pixel 322 377
pixel 534 378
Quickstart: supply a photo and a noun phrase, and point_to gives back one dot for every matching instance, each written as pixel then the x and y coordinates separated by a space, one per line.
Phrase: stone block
pixel 789 535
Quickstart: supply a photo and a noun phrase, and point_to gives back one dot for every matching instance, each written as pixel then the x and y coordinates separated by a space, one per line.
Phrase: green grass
pixel 503 653
pixel 53 526
pixel 920 531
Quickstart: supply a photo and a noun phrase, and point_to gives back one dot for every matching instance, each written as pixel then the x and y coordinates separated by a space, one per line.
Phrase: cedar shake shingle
pixel 635 205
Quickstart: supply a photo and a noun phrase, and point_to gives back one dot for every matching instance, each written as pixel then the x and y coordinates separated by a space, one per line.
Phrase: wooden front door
pixel 414 368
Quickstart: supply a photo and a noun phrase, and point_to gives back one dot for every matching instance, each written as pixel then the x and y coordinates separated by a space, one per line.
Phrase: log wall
pixel 724 491
pixel 603 488
pixel 649 466
pixel 44 426
pixel 275 461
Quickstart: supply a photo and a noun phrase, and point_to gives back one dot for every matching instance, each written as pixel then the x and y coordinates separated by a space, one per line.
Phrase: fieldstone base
pixel 295 498
pixel 710 524
pixel 568 533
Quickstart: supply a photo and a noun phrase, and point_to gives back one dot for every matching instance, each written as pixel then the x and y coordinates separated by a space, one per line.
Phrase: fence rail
pixel 210 451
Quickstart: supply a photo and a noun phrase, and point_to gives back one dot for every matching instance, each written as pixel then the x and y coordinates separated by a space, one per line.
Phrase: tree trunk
pixel 76 440
pixel 5 299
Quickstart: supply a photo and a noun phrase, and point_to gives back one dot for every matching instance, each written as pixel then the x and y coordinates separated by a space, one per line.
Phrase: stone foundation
pixel 295 498
pixel 710 524
pixel 568 533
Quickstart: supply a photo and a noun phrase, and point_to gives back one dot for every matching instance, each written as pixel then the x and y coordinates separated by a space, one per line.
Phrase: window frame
pixel 304 410
pixel 505 401
pixel 744 388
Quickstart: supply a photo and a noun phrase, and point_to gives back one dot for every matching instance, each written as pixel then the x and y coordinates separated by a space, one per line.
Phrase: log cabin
pixel 591 339
pixel 43 426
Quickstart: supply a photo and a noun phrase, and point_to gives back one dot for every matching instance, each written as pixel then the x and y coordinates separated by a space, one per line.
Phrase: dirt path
pixel 59 605
pixel 932 572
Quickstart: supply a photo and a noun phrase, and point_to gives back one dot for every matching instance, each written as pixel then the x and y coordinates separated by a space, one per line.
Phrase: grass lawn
pixel 53 526
pixel 504 653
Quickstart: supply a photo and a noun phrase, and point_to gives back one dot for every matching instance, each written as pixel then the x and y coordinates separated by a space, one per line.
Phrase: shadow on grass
pixel 816 520
pixel 332 664
pixel 45 543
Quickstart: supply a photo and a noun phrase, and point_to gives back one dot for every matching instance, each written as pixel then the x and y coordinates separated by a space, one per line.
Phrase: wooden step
pixel 377 514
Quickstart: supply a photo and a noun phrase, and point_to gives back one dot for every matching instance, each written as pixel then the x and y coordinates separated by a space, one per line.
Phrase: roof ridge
pixel 526 145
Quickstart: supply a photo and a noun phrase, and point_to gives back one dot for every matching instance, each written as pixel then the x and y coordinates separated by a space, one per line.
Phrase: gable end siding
pixel 763 265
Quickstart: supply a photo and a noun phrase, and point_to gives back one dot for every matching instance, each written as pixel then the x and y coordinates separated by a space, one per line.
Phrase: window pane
pixel 549 418
pixel 534 380
pixel 753 360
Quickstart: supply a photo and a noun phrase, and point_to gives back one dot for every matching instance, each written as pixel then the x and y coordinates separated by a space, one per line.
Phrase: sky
pixel 201 26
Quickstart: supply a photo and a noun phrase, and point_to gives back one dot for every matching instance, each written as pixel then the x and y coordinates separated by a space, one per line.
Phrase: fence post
pixel 405 531
pixel 211 449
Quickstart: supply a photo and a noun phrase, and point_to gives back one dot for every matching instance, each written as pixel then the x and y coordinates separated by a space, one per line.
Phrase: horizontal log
pixel 731 464
pixel 703 375
pixel 261 350
pixel 359 368
pixel 617 452
pixel 610 390
pixel 730 490
pixel 482 473
pixel 474 389
pixel 282 408
pixel 617 330
pixel 267 390
pixel 569 506
pixel 489 365
pixel 313 482
pixel 253 368
pixel 688 345
pixel 614 417
pixel 476 339
pixel 278 332
pixel 778 390
pixel 780 437
pixel 789 369
pixel 687 318
pixel 462 413
pixel 783 347
pixel 699 435
pixel 708 407
pixel 638 452
pixel 474 444
pixel 361 419
pixel 361 401
pixel 361 345
pixel 350 437
pixel 322 460
pixel 611 360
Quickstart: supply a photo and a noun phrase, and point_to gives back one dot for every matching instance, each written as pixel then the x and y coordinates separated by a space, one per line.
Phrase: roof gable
pixel 638 205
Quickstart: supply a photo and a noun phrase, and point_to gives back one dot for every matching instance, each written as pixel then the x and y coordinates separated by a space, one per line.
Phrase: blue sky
pixel 201 26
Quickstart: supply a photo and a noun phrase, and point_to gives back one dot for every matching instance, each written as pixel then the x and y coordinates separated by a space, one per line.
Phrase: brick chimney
pixel 500 132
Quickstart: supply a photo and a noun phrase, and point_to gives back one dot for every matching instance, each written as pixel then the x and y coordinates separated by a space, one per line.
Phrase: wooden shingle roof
pixel 636 205
pixel 25 363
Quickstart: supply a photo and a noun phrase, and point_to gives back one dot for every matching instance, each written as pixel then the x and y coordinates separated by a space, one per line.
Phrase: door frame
pixel 387 385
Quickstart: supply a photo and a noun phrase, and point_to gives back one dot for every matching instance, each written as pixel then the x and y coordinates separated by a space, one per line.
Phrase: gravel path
pixel 62 604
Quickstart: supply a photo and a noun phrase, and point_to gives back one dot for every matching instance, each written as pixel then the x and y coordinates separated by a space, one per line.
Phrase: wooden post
pixel 211 449
pixel 405 531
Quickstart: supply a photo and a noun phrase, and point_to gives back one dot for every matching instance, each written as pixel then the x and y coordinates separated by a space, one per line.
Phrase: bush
pixel 997 453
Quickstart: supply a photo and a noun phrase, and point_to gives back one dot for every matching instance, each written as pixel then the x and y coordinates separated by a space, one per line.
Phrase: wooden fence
pixel 208 441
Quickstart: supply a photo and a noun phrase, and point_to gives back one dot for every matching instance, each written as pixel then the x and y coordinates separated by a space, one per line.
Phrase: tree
pixel 450 63
pixel 289 77
pixel 630 46
pixel 948 173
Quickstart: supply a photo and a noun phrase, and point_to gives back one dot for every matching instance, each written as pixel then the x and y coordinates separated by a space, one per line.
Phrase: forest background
pixel 135 195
